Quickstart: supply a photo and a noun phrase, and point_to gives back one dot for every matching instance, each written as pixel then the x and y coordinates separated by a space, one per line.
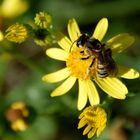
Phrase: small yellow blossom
pixel 94 118
pixel 17 114
pixel 76 69
pixel 13 8
pixel 43 20
pixel 17 33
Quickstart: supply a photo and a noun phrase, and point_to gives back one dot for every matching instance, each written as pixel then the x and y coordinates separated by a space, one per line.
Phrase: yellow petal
pixel 87 129
pixel 100 129
pixel 64 87
pixel 92 93
pixel 101 29
pixel 73 30
pixel 56 76
pixel 91 133
pixel 83 113
pixel 63 41
pixel 113 86
pixel 82 123
pixel 120 42
pixel 82 95
pixel 127 73
pixel 1 36
pixel 57 53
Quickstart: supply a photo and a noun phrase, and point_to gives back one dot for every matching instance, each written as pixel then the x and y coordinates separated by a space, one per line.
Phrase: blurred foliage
pixel 22 66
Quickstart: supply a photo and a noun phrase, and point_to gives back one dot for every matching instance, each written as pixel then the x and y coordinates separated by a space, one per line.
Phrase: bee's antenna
pixel 72 45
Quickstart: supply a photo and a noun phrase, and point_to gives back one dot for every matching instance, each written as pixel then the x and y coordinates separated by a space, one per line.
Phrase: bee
pixel 96 50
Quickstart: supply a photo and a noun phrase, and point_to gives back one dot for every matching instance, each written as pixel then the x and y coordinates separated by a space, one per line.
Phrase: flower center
pixel 79 64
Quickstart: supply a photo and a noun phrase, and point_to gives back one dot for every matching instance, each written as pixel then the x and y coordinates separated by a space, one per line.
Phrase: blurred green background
pixel 23 65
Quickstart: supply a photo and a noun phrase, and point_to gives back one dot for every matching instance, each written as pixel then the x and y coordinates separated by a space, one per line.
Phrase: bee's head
pixel 96 45
pixel 82 40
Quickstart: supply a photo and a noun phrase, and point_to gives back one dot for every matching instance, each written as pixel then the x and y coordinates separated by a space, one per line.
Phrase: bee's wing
pixel 110 63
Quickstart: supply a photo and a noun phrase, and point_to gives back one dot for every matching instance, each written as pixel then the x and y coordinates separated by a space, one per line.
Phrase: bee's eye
pixel 98 45
pixel 78 43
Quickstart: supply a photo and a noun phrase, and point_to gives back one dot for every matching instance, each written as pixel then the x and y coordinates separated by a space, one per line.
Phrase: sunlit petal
pixel 57 53
pixel 127 73
pixel 113 86
pixel 87 129
pixel 56 76
pixel 91 133
pixel 63 41
pixel 99 130
pixel 92 93
pixel 83 113
pixel 101 29
pixel 120 42
pixel 82 123
pixel 73 30
pixel 64 87
pixel 1 36
pixel 82 95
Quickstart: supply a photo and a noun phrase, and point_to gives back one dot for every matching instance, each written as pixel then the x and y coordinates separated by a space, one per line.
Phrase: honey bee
pixel 94 49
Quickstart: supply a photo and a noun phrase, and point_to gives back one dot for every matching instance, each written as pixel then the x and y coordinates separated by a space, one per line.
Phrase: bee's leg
pixel 92 63
pixel 89 68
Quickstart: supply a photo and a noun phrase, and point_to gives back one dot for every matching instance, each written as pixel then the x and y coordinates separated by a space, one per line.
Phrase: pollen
pixel 78 67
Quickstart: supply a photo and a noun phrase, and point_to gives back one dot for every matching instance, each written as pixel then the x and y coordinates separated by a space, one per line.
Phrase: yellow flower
pixel 43 20
pixel 77 68
pixel 17 33
pixel 94 118
pixel 17 115
pixel 13 8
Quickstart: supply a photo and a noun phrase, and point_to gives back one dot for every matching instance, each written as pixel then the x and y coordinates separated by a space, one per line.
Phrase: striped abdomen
pixel 102 72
